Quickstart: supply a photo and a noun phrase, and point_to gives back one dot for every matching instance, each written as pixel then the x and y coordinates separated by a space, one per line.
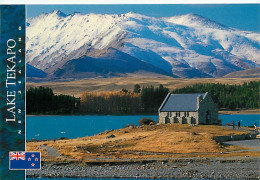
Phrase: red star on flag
pixel 36 159
pixel 33 164
pixel 29 159
pixel 33 155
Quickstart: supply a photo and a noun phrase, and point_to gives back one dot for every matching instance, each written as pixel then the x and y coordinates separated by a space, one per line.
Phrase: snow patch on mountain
pixel 190 43
pixel 194 20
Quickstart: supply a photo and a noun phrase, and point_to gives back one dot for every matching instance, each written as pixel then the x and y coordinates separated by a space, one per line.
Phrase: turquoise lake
pixel 54 127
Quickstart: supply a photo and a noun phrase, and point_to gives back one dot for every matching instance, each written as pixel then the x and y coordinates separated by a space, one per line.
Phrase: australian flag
pixel 20 160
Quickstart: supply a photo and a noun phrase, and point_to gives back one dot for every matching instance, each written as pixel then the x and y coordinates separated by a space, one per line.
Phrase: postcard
pixel 130 91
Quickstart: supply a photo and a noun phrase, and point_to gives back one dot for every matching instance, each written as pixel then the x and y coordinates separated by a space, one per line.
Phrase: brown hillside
pixel 76 88
pixel 249 73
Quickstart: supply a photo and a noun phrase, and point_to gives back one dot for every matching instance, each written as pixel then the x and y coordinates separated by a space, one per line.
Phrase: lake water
pixel 54 127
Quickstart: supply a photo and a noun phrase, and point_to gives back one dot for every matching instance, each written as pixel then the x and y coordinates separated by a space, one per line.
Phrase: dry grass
pixel 36 147
pixel 76 88
pixel 147 142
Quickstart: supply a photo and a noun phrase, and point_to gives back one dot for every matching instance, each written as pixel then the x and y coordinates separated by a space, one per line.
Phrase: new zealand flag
pixel 20 160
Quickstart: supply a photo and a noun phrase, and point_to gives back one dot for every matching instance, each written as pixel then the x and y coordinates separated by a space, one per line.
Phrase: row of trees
pixel 152 98
pixel 145 100
pixel 228 96
pixel 110 103
pixel 42 100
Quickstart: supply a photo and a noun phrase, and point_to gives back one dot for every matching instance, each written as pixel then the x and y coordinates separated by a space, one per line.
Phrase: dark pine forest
pixel 42 100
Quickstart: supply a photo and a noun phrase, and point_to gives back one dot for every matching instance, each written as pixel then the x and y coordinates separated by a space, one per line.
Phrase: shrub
pixel 145 121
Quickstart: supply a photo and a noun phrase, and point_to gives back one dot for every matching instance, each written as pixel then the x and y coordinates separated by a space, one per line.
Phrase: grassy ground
pixel 76 88
pixel 146 142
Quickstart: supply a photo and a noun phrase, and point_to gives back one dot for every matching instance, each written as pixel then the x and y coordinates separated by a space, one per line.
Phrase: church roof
pixel 181 102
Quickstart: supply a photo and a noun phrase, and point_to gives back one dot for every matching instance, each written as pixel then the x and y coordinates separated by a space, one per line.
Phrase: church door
pixel 208 117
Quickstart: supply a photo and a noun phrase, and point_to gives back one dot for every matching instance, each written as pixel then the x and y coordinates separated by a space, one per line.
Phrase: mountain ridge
pixel 186 46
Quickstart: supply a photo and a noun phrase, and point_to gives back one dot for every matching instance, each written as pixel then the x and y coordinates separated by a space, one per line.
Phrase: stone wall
pixel 207 105
pixel 234 137
pixel 191 119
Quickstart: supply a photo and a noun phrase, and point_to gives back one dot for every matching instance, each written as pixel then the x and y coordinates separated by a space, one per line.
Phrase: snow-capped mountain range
pixel 88 45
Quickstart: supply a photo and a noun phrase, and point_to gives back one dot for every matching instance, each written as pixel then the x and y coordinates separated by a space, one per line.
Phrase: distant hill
pixel 114 63
pixel 32 72
pixel 249 73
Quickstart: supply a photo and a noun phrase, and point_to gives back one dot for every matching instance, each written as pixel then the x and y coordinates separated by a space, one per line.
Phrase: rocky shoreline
pixel 196 168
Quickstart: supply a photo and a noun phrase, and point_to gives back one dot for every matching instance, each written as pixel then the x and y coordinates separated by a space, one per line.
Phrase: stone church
pixel 188 109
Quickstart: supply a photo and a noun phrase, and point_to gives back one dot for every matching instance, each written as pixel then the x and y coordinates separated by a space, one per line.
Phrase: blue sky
pixel 240 16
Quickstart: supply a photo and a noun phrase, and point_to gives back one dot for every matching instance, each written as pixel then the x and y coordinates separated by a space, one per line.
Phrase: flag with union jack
pixel 20 160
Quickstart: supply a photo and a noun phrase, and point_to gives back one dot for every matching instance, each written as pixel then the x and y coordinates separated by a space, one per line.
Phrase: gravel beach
pixel 209 168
